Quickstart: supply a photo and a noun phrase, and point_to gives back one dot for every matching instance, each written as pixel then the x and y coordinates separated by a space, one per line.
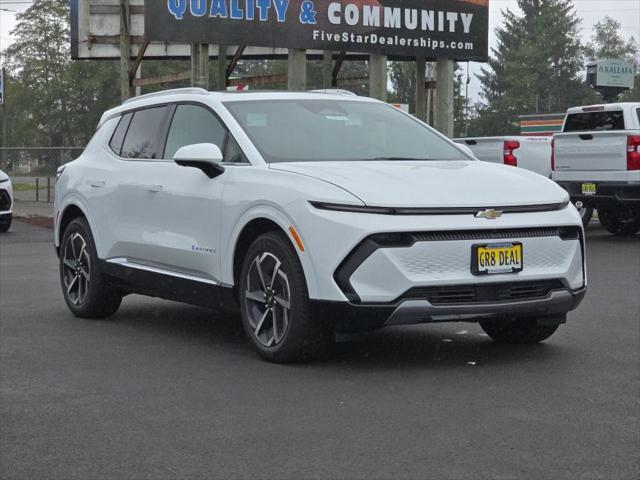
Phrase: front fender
pixel 284 221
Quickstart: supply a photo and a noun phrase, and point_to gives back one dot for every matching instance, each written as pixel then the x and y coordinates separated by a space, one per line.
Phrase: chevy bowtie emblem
pixel 489 214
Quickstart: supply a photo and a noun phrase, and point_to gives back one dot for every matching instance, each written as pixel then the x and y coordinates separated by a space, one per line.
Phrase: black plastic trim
pixel 377 210
pixel 152 284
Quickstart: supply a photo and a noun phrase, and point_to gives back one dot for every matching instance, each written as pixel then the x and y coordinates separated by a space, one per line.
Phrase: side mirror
pixel 203 156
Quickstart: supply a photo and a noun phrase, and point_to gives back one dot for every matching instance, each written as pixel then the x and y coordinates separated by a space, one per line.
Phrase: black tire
pixel 620 220
pixel 5 224
pixel 586 213
pixel 518 331
pixel 283 336
pixel 99 299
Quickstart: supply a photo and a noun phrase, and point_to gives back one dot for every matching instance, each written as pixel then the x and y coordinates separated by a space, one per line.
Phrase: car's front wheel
pixel 620 220
pixel 519 330
pixel 274 303
pixel 86 291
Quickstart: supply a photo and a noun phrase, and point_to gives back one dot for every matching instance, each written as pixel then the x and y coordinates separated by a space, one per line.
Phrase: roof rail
pixel 193 90
pixel 334 91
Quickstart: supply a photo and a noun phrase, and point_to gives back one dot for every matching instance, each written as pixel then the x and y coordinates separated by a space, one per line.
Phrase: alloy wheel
pixel 268 299
pixel 76 264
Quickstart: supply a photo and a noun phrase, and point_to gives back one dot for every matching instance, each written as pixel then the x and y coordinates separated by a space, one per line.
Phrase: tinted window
pixel 334 130
pixel 192 124
pixel 142 137
pixel 595 121
pixel 118 135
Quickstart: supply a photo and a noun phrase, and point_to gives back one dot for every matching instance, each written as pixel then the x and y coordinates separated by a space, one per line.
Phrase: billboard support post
pixel 444 98
pixel 297 70
pixel 200 65
pixel 378 77
pixel 125 50
pixel 421 86
pixel 221 82
pixel 327 68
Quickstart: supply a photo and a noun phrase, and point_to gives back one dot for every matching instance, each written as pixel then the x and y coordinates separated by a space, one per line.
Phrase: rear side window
pixel 193 124
pixel 595 121
pixel 118 135
pixel 141 140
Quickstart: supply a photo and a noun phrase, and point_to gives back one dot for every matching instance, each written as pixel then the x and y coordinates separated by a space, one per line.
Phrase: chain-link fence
pixel 33 169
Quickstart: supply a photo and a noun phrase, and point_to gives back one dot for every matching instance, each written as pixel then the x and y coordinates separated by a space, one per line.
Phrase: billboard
pixel 95 34
pixel 615 73
pixel 456 29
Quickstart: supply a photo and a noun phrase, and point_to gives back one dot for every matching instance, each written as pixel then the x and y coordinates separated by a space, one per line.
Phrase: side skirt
pixel 152 283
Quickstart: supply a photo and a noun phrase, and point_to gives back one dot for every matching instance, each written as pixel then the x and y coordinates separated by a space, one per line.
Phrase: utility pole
pixel 444 99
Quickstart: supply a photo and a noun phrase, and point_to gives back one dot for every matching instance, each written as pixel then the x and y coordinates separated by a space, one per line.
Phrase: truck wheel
pixel 518 330
pixel 274 303
pixel 620 220
pixel 87 293
pixel 586 214
pixel 5 223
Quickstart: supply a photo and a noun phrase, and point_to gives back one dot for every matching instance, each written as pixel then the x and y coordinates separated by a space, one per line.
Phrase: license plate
pixel 588 188
pixel 496 258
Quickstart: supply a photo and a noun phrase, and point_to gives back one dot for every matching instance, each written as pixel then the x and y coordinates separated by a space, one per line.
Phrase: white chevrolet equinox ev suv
pixel 313 213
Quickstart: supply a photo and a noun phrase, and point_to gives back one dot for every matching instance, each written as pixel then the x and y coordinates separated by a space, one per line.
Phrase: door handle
pixel 153 188
pixel 97 183
pixel 586 137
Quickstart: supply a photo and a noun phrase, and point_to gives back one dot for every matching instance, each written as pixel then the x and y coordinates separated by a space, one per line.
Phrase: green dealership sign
pixel 615 73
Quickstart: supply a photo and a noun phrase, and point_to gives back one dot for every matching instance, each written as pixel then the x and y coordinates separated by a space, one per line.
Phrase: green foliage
pixel 52 100
pixel 535 68
pixel 606 42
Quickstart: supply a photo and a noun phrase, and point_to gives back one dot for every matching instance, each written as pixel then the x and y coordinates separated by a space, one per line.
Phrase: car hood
pixel 434 183
pixel 3 176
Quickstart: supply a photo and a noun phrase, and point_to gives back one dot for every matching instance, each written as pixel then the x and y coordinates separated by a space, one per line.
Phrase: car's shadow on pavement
pixel 422 346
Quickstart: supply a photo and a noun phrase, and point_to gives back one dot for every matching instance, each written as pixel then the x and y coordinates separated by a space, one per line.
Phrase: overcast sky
pixel 627 12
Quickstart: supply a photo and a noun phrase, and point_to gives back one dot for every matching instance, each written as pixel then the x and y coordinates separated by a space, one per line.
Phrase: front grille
pixel 488 293
pixel 567 233
pixel 5 201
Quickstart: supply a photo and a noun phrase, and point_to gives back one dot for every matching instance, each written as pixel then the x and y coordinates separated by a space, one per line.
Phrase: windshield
pixel 336 130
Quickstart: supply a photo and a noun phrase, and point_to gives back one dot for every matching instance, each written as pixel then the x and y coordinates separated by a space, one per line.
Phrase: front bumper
pixel 606 193
pixel 354 317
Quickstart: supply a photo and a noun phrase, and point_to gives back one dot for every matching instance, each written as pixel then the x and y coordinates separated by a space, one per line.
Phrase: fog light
pixel 579 205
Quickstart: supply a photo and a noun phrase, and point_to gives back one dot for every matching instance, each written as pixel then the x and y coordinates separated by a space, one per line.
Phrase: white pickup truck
pixel 597 160
pixel 530 153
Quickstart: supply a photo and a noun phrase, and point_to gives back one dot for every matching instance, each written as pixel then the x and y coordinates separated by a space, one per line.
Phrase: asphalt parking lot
pixel 172 391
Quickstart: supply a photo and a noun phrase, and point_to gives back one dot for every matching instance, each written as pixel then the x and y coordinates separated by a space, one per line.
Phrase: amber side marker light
pixel 296 237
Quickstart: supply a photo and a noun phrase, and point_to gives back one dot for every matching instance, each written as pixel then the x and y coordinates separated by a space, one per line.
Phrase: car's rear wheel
pixel 86 291
pixel 519 330
pixel 274 303
pixel 620 220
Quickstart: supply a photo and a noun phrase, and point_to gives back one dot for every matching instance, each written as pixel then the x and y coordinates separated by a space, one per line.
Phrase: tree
pixel 52 100
pixel 536 67
pixel 606 42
